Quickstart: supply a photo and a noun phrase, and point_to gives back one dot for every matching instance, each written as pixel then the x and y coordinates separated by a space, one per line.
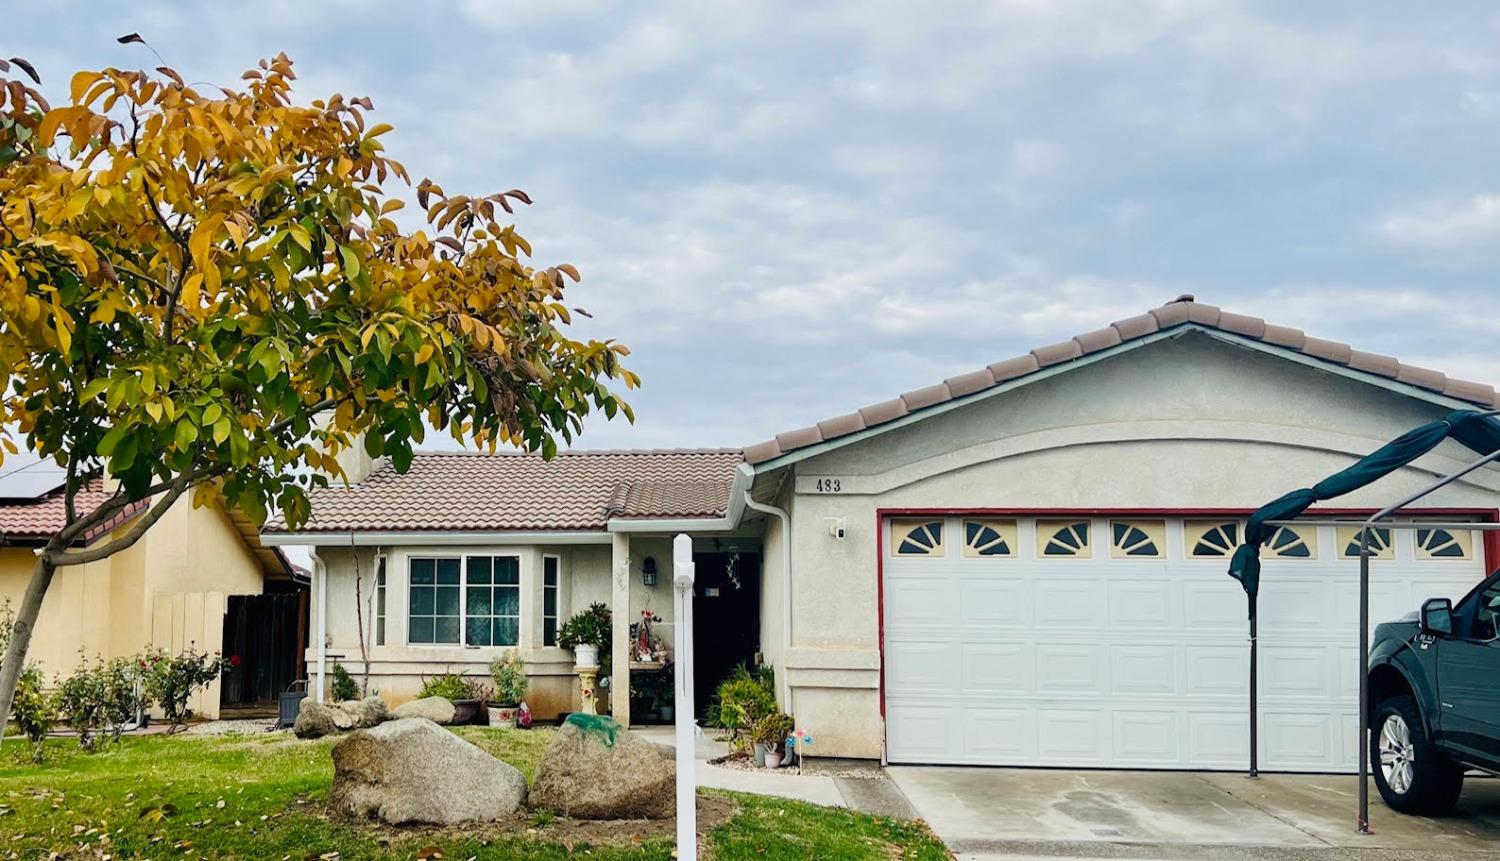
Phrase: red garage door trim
pixel 1483 515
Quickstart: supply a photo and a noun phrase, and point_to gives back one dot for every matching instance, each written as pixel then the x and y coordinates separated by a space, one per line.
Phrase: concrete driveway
pixel 984 813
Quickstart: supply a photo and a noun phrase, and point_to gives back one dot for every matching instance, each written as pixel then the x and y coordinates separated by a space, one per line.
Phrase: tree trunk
pixel 20 636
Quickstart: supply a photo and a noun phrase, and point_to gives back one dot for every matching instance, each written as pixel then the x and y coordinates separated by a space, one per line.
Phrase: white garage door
pixel 1123 643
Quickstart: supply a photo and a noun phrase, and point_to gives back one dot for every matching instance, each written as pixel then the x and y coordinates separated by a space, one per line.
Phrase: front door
pixel 726 618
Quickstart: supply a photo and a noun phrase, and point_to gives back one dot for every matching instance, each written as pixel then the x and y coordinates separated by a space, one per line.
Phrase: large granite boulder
pixel 436 709
pixel 412 770
pixel 315 719
pixel 596 769
pixel 365 713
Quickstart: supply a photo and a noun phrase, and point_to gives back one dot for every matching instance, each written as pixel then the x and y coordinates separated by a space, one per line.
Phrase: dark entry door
pixel 726 618
pixel 264 637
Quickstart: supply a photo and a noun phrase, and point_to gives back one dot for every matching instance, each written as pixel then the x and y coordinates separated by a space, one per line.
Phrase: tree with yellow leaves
pixel 205 293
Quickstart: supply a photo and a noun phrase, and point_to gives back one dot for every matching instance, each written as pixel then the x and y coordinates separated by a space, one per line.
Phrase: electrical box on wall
pixel 836 527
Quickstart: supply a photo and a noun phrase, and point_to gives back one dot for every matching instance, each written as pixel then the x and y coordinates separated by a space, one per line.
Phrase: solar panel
pixel 25 476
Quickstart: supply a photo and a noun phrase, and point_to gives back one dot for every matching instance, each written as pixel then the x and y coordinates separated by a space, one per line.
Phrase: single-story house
pixel 1023 565
pixel 199 577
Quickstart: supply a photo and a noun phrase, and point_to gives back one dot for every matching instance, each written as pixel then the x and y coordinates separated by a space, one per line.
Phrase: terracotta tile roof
pixel 1181 312
pixel 41 518
pixel 579 490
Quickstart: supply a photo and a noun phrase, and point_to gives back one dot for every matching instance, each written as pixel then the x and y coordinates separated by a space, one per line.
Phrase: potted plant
pixel 771 732
pixel 586 633
pixel 509 675
pixel 457 689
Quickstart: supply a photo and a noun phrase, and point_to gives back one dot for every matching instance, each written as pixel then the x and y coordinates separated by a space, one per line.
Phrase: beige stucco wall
pixel 398 669
pixel 1185 423
pixel 166 591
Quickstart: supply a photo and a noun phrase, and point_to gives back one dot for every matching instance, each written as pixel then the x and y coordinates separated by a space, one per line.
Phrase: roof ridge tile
pixel 1182 311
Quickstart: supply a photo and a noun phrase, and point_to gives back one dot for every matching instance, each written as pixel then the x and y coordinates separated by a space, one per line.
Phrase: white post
pixel 320 571
pixel 687 783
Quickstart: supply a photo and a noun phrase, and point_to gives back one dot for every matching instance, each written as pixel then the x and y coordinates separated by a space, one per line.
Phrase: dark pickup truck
pixel 1435 700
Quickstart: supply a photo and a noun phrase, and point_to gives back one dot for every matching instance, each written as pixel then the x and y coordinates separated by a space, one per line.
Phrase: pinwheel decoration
pixel 797 742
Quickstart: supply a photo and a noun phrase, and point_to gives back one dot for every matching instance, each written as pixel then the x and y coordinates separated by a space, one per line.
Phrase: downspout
pixel 320 628
pixel 786 592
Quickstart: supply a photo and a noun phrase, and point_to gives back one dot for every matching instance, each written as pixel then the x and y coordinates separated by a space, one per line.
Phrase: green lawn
pixel 262 797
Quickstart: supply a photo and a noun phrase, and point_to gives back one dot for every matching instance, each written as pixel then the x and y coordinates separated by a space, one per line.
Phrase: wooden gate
pixel 264 636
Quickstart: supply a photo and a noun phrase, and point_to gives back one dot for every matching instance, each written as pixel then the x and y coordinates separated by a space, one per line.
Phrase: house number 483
pixel 828 485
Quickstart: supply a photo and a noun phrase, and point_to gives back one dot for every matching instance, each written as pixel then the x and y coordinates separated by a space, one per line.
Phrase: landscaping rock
pixel 315 720
pixel 412 770
pixel 436 709
pixel 584 776
pixel 365 713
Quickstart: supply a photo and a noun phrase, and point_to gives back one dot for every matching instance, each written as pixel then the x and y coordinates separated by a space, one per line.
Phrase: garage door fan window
pixel 1442 544
pixel 989 538
pixel 1289 543
pixel 918 539
pixel 1064 539
pixel 1210 540
pixel 1137 539
pixel 1380 543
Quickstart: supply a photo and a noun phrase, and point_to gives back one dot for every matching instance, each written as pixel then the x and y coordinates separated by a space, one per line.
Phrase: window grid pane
pixel 493 601
pixel 549 600
pixel 433 602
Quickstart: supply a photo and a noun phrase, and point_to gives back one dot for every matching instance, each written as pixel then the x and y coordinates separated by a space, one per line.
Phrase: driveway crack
pixel 1242 799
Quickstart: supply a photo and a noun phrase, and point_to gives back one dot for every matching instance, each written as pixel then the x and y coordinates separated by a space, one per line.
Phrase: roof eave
pixel 1177 331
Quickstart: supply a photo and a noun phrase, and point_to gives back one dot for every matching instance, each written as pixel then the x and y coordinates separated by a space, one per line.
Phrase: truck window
pixel 1486 613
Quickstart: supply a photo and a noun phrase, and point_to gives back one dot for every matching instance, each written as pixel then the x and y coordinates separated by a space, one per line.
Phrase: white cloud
pixel 1448 225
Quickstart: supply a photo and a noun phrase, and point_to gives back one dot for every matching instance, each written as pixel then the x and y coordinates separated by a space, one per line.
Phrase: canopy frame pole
pixel 1254 691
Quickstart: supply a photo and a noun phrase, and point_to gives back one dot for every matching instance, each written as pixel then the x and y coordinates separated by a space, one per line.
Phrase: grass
pixel 262 797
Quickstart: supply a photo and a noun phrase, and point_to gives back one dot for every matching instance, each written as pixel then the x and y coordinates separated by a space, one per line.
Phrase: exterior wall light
pixel 648 571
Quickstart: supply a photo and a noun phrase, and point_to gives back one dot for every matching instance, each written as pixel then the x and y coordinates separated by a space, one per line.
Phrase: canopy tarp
pixel 1478 431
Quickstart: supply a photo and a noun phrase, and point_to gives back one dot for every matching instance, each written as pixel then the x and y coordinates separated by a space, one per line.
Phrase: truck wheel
pixel 1413 776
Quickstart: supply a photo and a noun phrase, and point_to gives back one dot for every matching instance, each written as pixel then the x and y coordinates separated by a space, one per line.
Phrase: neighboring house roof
pixel 34 520
pixel 40 517
pixel 576 490
pixel 1184 312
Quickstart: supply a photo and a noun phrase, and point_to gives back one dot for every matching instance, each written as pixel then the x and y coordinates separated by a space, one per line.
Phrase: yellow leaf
pixel 192 290
pixel 81 83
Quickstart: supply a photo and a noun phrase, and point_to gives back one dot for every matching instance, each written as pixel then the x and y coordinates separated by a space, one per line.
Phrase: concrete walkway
pixel 984 813
pixel 783 783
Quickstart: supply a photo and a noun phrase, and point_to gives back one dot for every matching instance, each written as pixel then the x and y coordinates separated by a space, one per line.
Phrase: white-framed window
pixel 492 603
pixel 434 613
pixel 380 600
pixel 470 600
pixel 551 576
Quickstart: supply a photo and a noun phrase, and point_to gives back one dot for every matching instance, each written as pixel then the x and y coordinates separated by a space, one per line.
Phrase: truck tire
pixel 1413 776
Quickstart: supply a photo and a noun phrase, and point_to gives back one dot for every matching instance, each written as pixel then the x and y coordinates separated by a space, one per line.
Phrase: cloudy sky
pixel 790 209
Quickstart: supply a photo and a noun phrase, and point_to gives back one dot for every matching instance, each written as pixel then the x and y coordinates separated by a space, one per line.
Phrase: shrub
pixel 450 686
pixel 122 684
pixel 509 675
pixel 590 627
pixel 741 702
pixel 81 703
pixel 7 623
pixel 344 686
pixel 35 711
pixel 171 681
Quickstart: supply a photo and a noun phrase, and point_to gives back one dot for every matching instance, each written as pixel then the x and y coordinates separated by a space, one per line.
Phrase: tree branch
pixel 103 551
